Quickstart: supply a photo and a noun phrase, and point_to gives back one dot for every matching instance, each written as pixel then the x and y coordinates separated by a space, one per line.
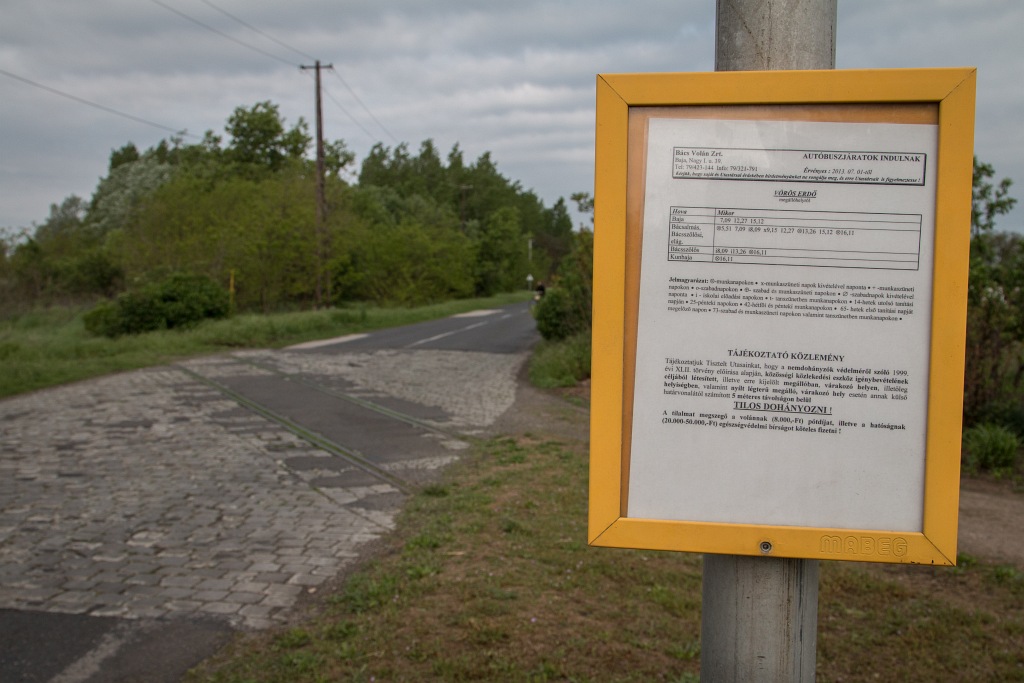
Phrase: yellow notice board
pixel 780 288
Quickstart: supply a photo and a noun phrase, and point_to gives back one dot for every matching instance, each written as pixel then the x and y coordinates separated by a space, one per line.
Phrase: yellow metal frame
pixel 616 266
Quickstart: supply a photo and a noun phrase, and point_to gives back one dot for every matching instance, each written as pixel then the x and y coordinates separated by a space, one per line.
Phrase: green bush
pixel 104 320
pixel 555 315
pixel 186 299
pixel 1009 414
pixel 140 311
pixel 989 447
pixel 181 300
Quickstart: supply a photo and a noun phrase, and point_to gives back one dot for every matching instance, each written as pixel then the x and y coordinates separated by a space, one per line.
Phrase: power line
pixel 95 105
pixel 365 108
pixel 351 118
pixel 222 34
pixel 262 33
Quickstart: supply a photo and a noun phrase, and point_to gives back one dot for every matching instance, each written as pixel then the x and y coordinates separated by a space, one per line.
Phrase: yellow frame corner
pixel 953 91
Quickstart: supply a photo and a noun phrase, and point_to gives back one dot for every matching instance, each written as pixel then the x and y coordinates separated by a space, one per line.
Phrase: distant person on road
pixel 539 291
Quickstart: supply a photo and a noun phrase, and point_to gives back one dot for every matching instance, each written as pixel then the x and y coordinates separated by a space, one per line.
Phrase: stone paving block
pixel 326 571
pixel 177 593
pixel 307 580
pixel 147 612
pixel 182 605
pixel 257 624
pixel 250 587
pixel 209 596
pixel 110 588
pixel 231 566
pixel 219 607
pixel 277 601
pixel 322 561
pixel 79 585
pixel 284 590
pixel 210 572
pixel 143 580
pixel 244 598
pixel 215 584
pixel 264 567
pixel 258 611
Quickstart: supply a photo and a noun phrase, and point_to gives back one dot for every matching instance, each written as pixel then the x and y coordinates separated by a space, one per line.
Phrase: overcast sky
pixel 516 79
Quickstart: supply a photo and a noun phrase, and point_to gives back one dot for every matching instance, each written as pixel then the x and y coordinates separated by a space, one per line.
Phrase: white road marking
pixel 445 334
pixel 90 664
pixel 476 314
pixel 326 342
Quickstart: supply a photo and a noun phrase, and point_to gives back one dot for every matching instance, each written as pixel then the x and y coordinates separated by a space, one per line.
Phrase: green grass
pixel 50 347
pixel 488 577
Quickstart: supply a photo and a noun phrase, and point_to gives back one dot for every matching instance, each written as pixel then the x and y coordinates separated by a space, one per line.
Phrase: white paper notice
pixel 784 324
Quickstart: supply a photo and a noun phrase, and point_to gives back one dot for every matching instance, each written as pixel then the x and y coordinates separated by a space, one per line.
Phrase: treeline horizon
pixel 409 229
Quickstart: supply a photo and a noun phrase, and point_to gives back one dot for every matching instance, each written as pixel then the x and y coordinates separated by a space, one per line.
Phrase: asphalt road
pixel 507 330
pixel 147 516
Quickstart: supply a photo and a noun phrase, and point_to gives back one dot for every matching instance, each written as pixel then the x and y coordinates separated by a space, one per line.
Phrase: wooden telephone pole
pixel 321 198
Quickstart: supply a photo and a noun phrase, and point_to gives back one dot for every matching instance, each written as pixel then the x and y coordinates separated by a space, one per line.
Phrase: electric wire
pixel 262 33
pixel 365 108
pixel 96 105
pixel 351 118
pixel 340 106
pixel 328 95
pixel 222 34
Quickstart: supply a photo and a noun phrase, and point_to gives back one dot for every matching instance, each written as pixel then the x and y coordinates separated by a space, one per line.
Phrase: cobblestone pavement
pixel 151 494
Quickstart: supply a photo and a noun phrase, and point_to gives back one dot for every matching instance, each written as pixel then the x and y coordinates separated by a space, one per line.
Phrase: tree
pixel 584 203
pixel 337 158
pixel 994 372
pixel 501 253
pixel 124 155
pixel 64 222
pixel 399 249
pixel 260 140
pixel 988 200
pixel 995 325
pixel 552 239
pixel 118 194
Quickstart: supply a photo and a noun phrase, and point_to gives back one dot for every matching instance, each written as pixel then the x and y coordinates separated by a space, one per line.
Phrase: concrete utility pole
pixel 321 198
pixel 760 614
pixel 771 35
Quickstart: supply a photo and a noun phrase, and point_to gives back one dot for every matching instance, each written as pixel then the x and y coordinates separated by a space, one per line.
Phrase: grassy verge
pixel 45 348
pixel 561 363
pixel 488 578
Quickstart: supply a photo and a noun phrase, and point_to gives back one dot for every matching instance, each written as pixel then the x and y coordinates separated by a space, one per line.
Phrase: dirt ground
pixel 991 511
pixel 991 520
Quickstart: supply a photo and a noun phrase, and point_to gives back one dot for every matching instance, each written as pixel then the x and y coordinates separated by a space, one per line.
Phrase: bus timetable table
pixel 795 238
